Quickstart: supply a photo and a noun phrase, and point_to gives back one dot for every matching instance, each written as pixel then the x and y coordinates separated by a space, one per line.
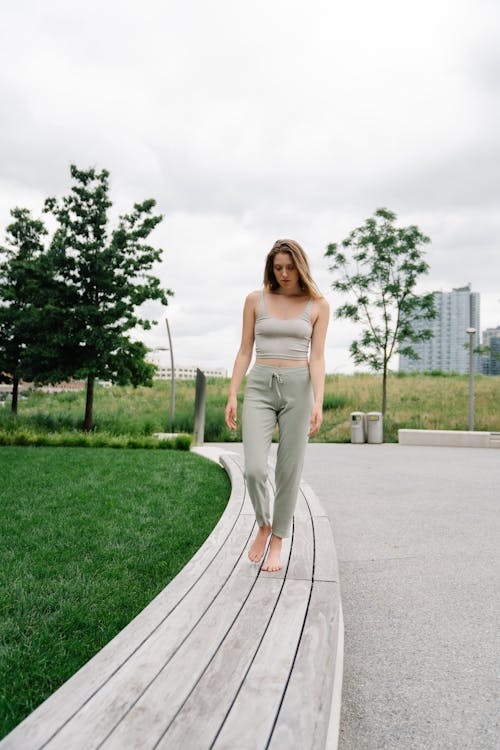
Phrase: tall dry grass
pixel 420 401
pixel 424 401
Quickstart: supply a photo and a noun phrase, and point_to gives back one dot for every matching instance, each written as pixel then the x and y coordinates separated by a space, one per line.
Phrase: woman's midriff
pixel 282 362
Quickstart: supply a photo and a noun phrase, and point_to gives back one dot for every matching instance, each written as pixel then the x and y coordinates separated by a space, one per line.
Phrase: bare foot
pixel 273 561
pixel 256 551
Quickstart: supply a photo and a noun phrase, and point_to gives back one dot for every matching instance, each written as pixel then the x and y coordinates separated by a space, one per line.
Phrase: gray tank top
pixel 282 339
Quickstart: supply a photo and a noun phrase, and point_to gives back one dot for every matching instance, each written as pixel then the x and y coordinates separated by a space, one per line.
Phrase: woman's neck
pixel 297 292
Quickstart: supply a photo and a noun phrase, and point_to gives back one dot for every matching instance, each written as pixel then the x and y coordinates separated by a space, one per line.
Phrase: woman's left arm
pixel 317 364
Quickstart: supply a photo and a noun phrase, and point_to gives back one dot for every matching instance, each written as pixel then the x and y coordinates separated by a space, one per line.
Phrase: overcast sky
pixel 252 121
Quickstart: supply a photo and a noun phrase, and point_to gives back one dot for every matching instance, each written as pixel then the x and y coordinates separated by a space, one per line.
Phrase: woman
pixel 284 319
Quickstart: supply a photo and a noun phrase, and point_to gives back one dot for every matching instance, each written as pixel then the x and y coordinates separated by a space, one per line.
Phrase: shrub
pixel 91 440
pixel 334 401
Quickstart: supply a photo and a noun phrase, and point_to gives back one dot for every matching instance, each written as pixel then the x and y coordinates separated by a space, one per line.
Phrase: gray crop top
pixel 282 339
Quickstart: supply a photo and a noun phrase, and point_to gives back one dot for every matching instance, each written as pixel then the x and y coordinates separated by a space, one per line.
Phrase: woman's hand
pixel 231 412
pixel 316 419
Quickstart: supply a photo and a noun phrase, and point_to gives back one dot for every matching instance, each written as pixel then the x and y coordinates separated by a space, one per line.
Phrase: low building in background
pixel 183 372
pixel 189 372
pixel 68 386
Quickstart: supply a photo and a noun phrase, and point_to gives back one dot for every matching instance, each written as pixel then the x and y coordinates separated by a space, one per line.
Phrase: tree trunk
pixel 384 389
pixel 15 393
pixel 89 404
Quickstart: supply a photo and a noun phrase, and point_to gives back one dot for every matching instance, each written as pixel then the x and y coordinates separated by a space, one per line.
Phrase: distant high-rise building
pixel 447 350
pixel 491 360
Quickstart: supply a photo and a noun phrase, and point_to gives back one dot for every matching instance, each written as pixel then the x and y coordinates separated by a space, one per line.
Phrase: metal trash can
pixel 375 428
pixel 358 427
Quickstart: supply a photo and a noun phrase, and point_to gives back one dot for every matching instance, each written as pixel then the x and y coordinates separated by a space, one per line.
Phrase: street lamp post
pixel 172 389
pixel 471 332
pixel 172 375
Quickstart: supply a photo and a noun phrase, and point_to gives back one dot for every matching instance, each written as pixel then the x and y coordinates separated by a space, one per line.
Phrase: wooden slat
pixel 108 707
pixel 158 704
pixel 204 710
pixel 325 559
pixel 303 718
pixel 301 562
pixel 248 728
pixel 312 499
pixel 201 712
pixel 151 715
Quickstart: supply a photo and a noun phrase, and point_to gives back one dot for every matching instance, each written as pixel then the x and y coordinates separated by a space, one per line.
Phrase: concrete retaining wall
pixel 454 438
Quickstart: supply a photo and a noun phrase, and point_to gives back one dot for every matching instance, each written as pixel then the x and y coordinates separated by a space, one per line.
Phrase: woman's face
pixel 285 271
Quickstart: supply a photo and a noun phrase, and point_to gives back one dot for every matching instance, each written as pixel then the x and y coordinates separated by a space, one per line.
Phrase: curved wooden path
pixel 226 656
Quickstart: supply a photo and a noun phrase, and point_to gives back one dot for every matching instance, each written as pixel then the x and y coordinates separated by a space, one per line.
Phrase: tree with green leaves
pixel 22 275
pixel 379 264
pixel 100 278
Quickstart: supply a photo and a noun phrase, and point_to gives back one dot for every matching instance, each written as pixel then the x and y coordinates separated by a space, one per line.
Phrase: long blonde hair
pixel 301 262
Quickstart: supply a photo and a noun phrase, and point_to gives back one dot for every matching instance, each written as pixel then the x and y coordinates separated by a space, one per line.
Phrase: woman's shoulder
pixel 320 308
pixel 252 298
pixel 252 301
pixel 254 295
pixel 322 304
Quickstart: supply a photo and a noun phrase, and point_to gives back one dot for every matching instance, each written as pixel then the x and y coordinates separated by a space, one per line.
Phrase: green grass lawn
pixel 89 537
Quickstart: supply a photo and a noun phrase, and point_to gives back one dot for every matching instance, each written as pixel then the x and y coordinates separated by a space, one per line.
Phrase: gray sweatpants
pixel 273 395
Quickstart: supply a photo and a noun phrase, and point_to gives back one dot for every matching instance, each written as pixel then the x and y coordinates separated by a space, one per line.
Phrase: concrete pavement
pixel 417 536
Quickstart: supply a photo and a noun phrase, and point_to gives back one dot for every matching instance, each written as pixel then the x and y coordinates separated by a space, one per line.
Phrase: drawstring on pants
pixel 279 379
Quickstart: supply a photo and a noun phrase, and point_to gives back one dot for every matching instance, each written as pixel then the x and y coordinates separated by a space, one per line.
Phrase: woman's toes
pixel 271 567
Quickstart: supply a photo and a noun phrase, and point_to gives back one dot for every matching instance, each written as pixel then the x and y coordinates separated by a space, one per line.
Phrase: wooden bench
pixel 226 656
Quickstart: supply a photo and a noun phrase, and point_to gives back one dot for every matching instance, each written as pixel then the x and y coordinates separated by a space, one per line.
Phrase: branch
pixel 373 329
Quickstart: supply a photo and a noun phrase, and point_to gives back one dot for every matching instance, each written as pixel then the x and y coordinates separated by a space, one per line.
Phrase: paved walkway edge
pixel 332 740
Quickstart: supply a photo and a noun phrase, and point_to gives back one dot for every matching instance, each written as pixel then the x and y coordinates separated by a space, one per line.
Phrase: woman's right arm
pixel 242 361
